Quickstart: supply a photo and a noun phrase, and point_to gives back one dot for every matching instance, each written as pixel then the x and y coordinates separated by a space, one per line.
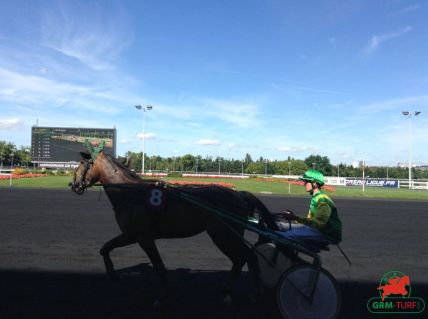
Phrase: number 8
pixel 156 197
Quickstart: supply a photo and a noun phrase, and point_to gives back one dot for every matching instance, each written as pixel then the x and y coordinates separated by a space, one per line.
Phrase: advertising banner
pixel 373 182
pixel 336 181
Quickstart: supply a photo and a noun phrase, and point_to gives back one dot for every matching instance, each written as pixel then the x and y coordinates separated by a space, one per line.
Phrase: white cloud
pixel 236 113
pixel 31 90
pixel 194 124
pixel 295 149
pixel 377 40
pixel 207 142
pixel 410 8
pixel 10 124
pixel 146 136
pixel 95 39
pixel 397 105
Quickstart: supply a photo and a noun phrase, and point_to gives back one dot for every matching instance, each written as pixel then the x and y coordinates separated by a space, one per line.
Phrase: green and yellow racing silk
pixel 323 216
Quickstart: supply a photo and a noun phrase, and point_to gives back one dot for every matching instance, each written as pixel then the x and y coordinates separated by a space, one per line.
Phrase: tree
pixel 255 168
pixel 320 163
pixel 134 161
pixel 23 156
pixel 188 162
pixel 6 152
pixel 248 158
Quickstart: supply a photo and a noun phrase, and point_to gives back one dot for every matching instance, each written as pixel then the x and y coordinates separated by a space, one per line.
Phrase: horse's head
pixel 86 175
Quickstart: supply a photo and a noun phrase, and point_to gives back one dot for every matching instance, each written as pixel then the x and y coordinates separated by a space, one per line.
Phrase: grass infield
pixel 251 185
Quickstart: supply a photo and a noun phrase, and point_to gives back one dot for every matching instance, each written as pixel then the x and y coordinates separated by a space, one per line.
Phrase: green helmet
pixel 313 176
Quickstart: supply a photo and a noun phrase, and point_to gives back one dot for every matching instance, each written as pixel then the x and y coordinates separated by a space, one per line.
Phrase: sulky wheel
pixel 294 293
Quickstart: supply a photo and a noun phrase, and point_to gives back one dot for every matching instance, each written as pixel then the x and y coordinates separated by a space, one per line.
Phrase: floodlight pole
pixel 364 178
pixel 11 173
pixel 410 115
pixel 143 109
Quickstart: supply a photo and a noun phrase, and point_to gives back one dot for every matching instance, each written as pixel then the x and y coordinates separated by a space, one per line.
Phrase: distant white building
pixel 357 164
pixel 421 166
pixel 406 165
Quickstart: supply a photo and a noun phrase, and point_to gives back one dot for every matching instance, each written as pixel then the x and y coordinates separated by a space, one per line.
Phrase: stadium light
pixel 11 172
pixel 410 115
pixel 143 109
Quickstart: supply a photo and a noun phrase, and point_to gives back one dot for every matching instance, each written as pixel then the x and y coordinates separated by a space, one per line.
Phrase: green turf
pixel 41 182
pixel 251 185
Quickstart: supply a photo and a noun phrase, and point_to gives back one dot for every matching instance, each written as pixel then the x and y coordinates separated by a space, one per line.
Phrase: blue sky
pixel 225 78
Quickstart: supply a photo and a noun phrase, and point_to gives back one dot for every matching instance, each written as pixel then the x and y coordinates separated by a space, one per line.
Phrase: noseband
pixel 80 186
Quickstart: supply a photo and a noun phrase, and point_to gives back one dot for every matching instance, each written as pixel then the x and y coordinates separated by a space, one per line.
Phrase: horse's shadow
pixel 194 294
pixel 185 282
pixel 71 295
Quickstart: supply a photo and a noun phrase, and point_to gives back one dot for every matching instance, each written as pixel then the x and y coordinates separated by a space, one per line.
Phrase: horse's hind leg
pixel 119 241
pixel 149 247
pixel 239 253
pixel 254 269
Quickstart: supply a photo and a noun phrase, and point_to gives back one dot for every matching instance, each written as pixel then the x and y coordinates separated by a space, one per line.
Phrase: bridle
pixel 80 186
pixel 79 183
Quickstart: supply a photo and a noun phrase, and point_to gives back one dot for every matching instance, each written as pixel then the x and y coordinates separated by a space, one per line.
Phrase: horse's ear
pixel 101 145
pixel 97 149
pixel 94 151
pixel 89 146
pixel 85 155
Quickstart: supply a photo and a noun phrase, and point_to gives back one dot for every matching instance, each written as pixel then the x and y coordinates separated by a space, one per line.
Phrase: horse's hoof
pixel 253 298
pixel 113 275
pixel 227 300
pixel 157 304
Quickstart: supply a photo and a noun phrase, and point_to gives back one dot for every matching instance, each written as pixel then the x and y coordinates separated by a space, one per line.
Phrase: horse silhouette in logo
pixel 395 286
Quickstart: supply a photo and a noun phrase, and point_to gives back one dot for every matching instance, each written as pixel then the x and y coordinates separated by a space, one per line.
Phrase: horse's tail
pixel 255 205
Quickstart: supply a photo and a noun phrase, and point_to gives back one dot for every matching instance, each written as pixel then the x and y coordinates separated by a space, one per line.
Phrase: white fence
pixel 215 176
pixel 329 180
pixel 413 184
pixel 8 173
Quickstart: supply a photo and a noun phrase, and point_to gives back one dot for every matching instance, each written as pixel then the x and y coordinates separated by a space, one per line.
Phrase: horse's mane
pixel 126 171
pixel 123 168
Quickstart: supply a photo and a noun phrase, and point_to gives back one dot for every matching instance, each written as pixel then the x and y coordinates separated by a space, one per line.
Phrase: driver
pixel 322 223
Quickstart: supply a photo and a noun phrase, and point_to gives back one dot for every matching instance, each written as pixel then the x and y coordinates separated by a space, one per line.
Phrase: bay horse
pixel 146 210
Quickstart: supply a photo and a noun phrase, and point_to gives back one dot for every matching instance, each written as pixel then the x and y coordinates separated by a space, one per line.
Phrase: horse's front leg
pixel 149 247
pixel 119 241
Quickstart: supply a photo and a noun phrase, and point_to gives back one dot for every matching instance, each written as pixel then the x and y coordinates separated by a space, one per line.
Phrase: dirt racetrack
pixel 50 266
